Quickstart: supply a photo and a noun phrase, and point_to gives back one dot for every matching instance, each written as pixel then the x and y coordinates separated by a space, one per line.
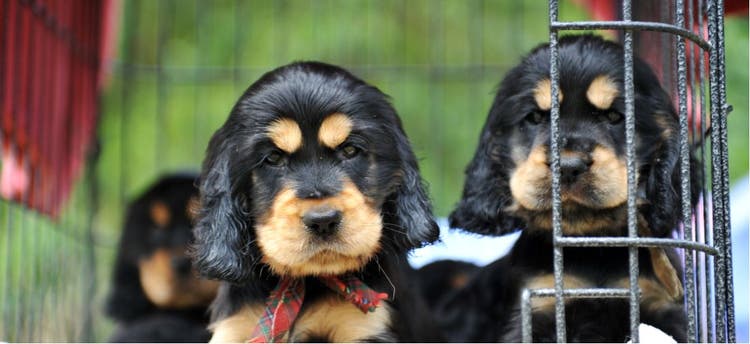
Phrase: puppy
pixel 156 293
pixel 311 199
pixel 508 187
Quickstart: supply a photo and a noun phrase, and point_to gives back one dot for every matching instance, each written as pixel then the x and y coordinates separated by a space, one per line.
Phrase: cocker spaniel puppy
pixel 311 198
pixel 508 187
pixel 156 294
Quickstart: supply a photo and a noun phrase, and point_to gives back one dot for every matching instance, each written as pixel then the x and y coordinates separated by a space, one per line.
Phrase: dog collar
pixel 285 300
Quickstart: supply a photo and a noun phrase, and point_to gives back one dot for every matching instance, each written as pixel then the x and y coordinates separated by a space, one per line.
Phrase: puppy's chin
pixel 324 262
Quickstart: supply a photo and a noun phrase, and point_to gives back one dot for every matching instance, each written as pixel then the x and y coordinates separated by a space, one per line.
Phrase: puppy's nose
pixel 323 222
pixel 571 167
pixel 182 265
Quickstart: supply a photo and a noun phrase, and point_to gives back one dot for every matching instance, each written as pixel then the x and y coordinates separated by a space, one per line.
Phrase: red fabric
pixel 285 301
pixel 49 83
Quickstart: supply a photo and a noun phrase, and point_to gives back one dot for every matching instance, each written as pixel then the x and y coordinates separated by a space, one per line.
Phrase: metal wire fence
pixel 706 236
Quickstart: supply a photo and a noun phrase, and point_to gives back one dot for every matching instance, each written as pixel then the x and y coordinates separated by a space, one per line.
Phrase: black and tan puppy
pixel 311 182
pixel 508 187
pixel 156 293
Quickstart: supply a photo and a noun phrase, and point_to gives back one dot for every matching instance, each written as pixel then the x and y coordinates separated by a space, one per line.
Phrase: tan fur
pixel 290 250
pixel 653 295
pixel 160 213
pixel 663 269
pixel 530 182
pixel 547 281
pixel 192 208
pixel 602 92
pixel 334 130
pixel 165 289
pixel 332 318
pixel 610 178
pixel 238 327
pixel 543 94
pixel 339 321
pixel 285 134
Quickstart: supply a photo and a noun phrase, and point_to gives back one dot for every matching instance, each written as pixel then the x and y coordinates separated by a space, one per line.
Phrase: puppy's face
pixel 514 156
pixel 320 182
pixel 318 175
pixel 157 238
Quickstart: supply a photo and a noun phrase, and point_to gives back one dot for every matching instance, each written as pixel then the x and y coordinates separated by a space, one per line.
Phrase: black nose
pixel 323 221
pixel 182 265
pixel 571 167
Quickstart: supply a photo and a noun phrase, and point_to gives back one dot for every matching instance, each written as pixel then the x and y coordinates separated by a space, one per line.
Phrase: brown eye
pixel 614 117
pixel 535 117
pixel 349 151
pixel 274 159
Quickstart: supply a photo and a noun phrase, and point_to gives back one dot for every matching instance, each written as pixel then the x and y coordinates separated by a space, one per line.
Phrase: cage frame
pixel 720 229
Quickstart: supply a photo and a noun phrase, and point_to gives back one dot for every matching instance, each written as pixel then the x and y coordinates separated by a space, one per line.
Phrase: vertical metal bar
pixel 526 331
pixel 727 230
pixel 162 32
pixel 708 260
pixel 555 167
pixel 716 182
pixel 197 118
pixel 630 160
pixel 689 255
pixel 698 219
pixel 129 73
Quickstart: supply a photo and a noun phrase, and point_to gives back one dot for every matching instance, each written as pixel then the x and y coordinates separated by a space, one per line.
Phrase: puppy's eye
pixel 535 118
pixel 349 151
pixel 613 117
pixel 274 159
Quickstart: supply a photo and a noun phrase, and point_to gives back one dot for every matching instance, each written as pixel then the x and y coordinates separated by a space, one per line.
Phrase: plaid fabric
pixel 354 291
pixel 285 301
pixel 282 308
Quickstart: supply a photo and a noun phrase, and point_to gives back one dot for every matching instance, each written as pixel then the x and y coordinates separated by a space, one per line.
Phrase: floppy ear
pixel 412 206
pixel 663 189
pixel 486 191
pixel 222 237
pixel 126 300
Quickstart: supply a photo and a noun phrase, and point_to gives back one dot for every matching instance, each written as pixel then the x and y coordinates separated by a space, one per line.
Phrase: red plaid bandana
pixel 285 301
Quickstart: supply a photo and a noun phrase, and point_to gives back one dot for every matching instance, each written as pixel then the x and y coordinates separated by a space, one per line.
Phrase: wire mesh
pixel 705 230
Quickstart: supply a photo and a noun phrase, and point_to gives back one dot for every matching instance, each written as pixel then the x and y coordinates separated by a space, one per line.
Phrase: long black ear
pixel 126 300
pixel 222 245
pixel 663 209
pixel 486 191
pixel 412 206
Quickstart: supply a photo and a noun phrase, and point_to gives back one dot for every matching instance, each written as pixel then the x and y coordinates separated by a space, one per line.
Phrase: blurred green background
pixel 182 64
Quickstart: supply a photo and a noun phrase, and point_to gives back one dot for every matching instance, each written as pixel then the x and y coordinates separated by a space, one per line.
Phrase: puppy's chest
pixel 328 318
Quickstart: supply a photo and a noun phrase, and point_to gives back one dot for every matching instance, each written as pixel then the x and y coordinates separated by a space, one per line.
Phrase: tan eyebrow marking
pixel 602 92
pixel 334 130
pixel 543 94
pixel 285 134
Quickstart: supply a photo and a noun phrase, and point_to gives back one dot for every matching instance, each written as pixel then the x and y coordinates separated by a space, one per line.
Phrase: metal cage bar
pixel 700 247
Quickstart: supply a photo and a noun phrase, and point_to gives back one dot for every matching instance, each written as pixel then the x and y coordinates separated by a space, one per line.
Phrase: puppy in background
pixel 311 198
pixel 156 293
pixel 508 187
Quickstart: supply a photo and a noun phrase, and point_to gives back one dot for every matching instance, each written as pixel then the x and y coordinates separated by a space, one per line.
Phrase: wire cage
pixel 699 88
pixel 182 64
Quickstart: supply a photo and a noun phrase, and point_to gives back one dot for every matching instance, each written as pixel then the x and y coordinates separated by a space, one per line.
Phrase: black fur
pixel 443 277
pixel 515 123
pixel 138 318
pixel 385 171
